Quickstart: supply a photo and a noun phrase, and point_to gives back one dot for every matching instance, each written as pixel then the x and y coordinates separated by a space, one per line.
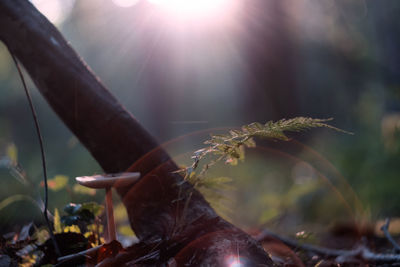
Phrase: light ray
pixel 125 3
pixel 195 9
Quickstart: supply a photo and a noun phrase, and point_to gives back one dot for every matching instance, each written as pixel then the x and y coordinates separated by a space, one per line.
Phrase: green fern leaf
pixel 230 147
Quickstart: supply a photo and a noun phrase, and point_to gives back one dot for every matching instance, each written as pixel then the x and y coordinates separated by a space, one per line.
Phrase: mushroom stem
pixel 110 216
pixel 107 182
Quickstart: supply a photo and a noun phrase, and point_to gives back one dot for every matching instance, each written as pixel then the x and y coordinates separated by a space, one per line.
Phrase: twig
pixel 295 244
pixel 341 255
pixel 35 119
pixel 89 253
pixel 92 255
pixel 385 230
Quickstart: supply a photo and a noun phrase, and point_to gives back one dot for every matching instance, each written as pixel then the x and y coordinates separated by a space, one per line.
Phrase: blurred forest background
pixel 185 75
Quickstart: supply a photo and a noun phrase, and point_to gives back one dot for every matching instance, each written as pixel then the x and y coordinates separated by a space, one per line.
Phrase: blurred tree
pixel 270 55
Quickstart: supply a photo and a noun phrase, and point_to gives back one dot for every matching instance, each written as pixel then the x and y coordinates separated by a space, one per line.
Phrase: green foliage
pixel 77 230
pixel 230 147
pixel 81 214
pixel 57 222
pixel 93 207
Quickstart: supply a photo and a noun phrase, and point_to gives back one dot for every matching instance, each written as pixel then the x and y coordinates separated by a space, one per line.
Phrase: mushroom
pixel 107 182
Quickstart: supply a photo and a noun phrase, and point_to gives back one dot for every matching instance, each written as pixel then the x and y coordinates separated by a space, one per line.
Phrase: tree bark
pixel 119 143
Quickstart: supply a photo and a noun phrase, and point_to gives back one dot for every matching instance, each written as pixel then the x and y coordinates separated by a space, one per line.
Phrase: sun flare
pixel 194 8
pixel 234 261
pixel 125 3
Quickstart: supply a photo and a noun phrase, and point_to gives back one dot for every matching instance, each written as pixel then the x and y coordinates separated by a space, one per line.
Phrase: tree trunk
pixel 118 142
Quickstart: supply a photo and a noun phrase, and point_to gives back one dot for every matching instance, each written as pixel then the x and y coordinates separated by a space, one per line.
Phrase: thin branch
pixel 68 259
pixel 92 255
pixel 385 230
pixel 361 252
pixel 295 244
pixel 40 138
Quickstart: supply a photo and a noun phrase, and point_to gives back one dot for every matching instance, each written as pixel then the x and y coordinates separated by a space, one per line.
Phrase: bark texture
pixel 118 142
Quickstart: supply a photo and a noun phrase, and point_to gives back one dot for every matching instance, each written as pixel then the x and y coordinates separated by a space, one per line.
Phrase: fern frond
pixel 231 147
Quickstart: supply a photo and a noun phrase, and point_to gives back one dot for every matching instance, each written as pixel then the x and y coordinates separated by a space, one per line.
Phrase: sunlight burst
pixel 125 3
pixel 190 9
pixel 234 261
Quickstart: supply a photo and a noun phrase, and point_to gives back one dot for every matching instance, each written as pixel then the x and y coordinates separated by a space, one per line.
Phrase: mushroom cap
pixel 109 180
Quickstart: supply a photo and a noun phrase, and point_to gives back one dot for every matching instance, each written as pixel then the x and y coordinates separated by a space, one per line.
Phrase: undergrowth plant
pixel 230 148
